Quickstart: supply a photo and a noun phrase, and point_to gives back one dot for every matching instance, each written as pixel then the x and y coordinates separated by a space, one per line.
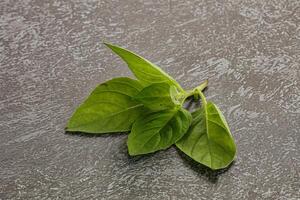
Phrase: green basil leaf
pixel 158 130
pixel 208 140
pixel 143 69
pixel 158 96
pixel 109 108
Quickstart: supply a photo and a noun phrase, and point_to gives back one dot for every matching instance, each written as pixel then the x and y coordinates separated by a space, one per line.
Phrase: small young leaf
pixel 208 140
pixel 158 96
pixel 109 108
pixel 143 69
pixel 158 130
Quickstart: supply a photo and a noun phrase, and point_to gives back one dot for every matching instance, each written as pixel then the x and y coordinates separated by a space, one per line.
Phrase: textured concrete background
pixel 51 57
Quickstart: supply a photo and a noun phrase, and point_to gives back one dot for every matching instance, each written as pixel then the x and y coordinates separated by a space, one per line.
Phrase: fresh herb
pixel 159 96
pixel 158 130
pixel 109 108
pixel 151 108
pixel 208 141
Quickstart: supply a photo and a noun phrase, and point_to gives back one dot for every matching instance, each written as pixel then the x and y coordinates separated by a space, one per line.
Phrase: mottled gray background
pixel 51 57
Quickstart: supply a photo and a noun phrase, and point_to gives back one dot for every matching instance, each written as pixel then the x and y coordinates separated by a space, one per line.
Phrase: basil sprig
pixel 151 108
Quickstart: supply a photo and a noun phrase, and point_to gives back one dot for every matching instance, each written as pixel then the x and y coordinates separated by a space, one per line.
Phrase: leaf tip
pixel 112 46
pixel 107 44
pixel 68 129
pixel 206 81
pixel 130 151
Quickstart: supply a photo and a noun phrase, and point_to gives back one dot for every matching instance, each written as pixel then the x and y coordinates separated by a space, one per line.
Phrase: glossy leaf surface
pixel 158 96
pixel 109 108
pixel 208 140
pixel 158 130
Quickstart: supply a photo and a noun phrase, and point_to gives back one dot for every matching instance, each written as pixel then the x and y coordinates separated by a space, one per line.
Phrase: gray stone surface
pixel 51 57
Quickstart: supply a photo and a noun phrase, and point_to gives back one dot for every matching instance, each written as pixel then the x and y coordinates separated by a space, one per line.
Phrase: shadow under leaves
pixel 212 175
pixel 83 134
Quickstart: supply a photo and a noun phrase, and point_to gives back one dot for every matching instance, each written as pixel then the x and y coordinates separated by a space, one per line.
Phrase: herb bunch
pixel 151 108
